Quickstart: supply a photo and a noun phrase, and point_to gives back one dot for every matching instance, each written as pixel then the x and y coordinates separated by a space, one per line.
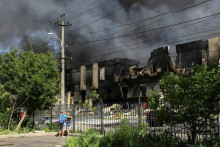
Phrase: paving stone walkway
pixel 31 140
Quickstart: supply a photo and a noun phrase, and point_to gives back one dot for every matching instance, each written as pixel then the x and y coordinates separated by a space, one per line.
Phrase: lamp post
pixel 62 93
pixel 55 36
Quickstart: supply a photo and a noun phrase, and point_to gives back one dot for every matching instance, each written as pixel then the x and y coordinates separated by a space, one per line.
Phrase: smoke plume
pixel 103 29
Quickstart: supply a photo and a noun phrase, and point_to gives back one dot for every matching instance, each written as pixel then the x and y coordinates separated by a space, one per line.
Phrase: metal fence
pixel 106 116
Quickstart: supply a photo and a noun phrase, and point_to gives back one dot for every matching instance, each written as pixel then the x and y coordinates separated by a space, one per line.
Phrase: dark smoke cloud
pixel 151 4
pixel 24 21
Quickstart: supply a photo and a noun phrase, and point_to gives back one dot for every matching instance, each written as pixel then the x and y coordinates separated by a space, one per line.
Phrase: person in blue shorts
pixel 68 122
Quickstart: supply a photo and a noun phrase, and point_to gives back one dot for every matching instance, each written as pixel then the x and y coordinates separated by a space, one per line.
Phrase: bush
pixel 146 140
pixel 124 135
pixel 27 126
pixel 89 138
pixel 127 136
pixel 160 140
pixel 3 132
pixel 4 119
pixel 54 127
pixel 29 123
pixel 24 130
pixel 72 142
pixel 209 142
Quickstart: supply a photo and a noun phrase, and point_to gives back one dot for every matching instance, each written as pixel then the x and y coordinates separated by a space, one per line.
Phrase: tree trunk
pixel 12 111
pixel 194 135
pixel 21 121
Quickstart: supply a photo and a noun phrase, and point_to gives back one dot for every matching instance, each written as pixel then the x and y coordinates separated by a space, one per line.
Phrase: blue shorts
pixel 67 125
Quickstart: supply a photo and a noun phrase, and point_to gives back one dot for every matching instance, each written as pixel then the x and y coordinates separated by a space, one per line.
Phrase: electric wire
pixel 126 35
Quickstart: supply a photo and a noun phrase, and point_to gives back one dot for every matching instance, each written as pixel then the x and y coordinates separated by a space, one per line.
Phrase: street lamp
pixel 62 93
pixel 55 36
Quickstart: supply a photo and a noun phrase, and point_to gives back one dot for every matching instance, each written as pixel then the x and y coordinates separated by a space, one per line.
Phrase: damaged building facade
pixel 124 79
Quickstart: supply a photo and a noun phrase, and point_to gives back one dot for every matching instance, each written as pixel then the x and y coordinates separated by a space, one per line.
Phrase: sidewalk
pixel 32 139
pixel 15 135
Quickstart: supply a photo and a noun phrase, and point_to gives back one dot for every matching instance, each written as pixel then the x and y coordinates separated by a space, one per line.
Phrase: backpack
pixel 62 119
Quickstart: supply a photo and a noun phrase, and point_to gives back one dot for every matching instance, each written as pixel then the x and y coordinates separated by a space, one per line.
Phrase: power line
pixel 176 29
pixel 101 18
pixel 78 15
pixel 155 33
pixel 148 45
pixel 70 11
pixel 139 21
pixel 120 36
pixel 175 10
pixel 142 42
pixel 116 10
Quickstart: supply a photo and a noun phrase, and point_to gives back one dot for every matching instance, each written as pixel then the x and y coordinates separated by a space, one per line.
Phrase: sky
pixel 106 29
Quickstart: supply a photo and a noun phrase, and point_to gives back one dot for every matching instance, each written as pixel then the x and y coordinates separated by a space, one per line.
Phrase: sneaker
pixel 63 136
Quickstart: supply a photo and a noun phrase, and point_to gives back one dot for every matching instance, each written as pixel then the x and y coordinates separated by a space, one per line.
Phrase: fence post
pixel 101 112
pixel 33 121
pixel 73 115
pixel 139 112
pixel 51 115
pixel 219 123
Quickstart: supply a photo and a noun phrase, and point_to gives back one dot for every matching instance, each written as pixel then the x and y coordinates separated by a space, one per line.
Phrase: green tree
pixel 190 100
pixel 93 94
pixel 5 107
pixel 31 80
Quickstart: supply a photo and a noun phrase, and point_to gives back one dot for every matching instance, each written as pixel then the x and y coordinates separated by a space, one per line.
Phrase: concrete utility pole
pixel 63 25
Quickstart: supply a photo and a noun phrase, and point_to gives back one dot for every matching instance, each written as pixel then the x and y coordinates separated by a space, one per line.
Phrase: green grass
pixel 4 132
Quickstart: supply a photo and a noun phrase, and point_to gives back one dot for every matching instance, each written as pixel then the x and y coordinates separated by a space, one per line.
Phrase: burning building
pixel 105 77
pixel 197 52
pixel 123 79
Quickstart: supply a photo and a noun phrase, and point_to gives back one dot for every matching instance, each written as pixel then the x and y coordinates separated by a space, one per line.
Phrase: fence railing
pixel 105 116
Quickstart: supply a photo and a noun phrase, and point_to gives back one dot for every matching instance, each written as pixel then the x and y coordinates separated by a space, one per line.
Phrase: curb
pixel 27 135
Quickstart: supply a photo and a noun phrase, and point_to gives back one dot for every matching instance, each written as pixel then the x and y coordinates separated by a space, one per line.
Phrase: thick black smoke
pixel 152 4
pixel 25 21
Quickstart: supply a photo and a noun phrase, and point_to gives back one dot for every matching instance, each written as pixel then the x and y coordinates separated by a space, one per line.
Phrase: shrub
pixel 89 138
pixel 50 127
pixel 127 136
pixel 3 132
pixel 160 140
pixel 24 130
pixel 146 140
pixel 72 142
pixel 30 123
pixel 124 135
pixel 209 142
pixel 4 119
pixel 54 127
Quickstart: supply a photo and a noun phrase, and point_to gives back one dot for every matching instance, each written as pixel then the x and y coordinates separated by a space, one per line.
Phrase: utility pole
pixel 63 25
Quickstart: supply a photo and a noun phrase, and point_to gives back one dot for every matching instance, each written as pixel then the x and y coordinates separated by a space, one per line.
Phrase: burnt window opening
pixel 83 95
pixel 125 92
pixel 109 91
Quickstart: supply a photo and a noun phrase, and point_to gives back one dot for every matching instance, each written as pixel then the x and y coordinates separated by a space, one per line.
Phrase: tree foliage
pixel 31 80
pixel 93 94
pixel 5 108
pixel 190 100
